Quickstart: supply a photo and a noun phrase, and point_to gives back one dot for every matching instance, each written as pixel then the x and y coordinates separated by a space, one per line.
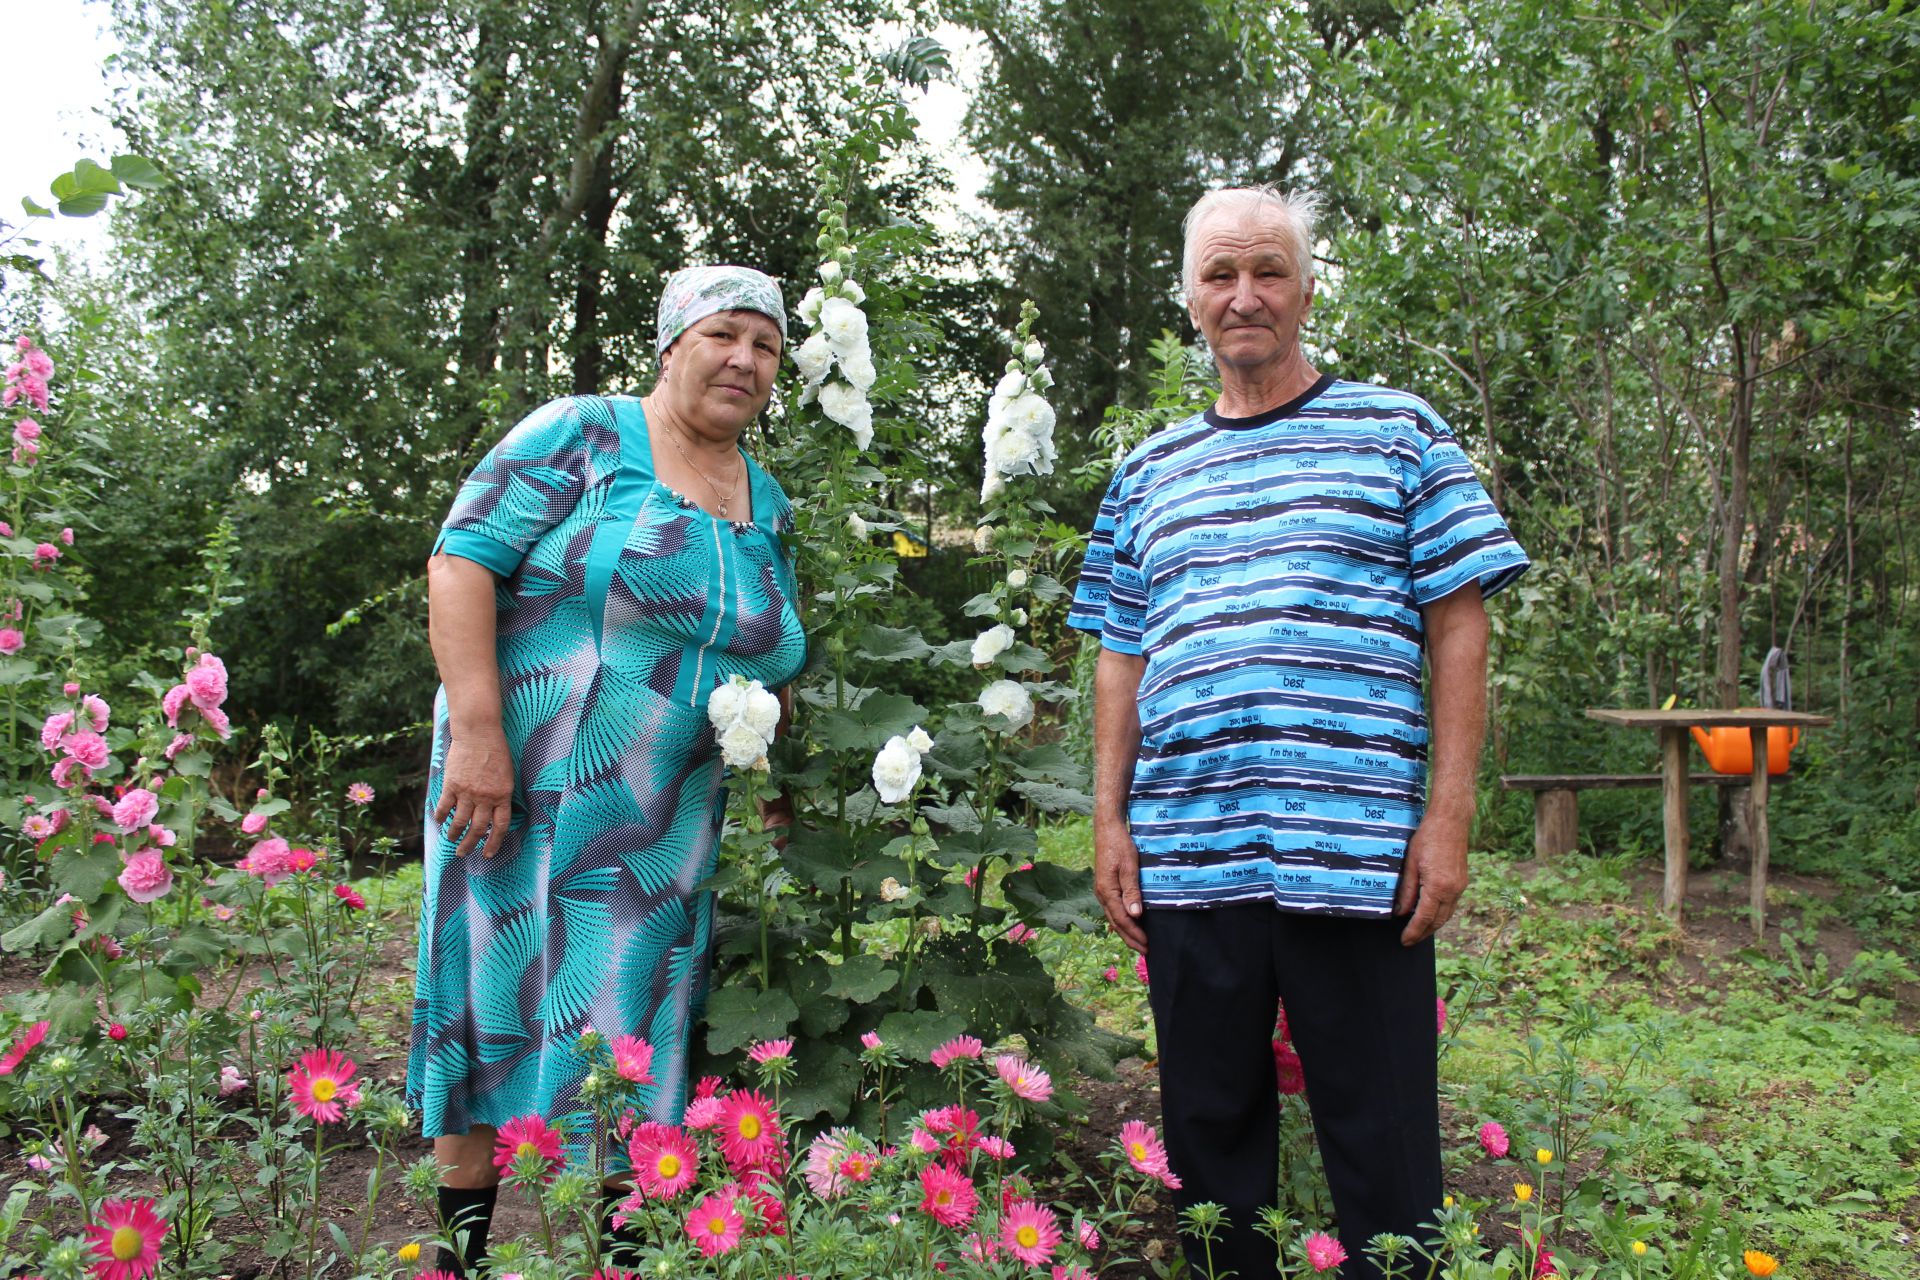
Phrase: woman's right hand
pixel 476 793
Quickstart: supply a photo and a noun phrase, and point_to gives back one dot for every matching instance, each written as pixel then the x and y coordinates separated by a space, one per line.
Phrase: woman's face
pixel 719 373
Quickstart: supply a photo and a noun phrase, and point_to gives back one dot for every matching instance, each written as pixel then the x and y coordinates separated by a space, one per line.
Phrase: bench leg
pixel 1556 822
pixel 1673 805
pixel 1757 823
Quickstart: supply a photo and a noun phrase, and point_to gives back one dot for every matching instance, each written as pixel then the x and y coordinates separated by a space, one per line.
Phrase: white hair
pixel 1294 211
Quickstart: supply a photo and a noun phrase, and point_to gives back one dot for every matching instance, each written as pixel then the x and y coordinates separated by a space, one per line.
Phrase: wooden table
pixel 1674 726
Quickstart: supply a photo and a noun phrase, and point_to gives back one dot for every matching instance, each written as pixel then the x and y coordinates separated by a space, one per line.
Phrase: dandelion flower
pixel 1639 1248
pixel 1028 1232
pixel 1760 1264
pixel 323 1085
pixel 950 1199
pixel 126 1242
pixel 528 1135
pixel 715 1225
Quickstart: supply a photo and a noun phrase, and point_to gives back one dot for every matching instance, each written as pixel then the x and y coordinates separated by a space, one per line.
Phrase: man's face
pixel 1248 298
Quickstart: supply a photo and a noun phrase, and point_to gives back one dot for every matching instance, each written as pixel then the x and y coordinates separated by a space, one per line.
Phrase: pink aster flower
pixel 1440 1014
pixel 323 1085
pixel 37 827
pixel 1111 975
pixel 136 809
pixel 1493 1139
pixel 715 1225
pixel 824 1155
pixel 1089 1238
pixel 1023 1079
pixel 351 896
pixel 702 1113
pixel 146 877
pixel 870 1040
pixel 1140 968
pixel 359 793
pixel 231 1081
pixel 957 1049
pixel 1324 1252
pixel 766 1051
pixel 254 823
pixel 995 1147
pixel 633 1059
pixel 1289 1076
pixel 125 1243
pixel 1021 933
pixel 28 1041
pixel 665 1161
pixel 117 1031
pixel 1029 1232
pixel 528 1135
pixel 1144 1151
pixel 749 1133
pixel 301 859
pixel 949 1198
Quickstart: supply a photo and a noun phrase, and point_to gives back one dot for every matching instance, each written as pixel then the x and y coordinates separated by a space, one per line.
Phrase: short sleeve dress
pixel 620 606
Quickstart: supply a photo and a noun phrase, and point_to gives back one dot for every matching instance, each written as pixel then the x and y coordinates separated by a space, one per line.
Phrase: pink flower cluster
pixel 79 742
pixel 203 691
pixel 272 860
pixel 27 377
pixel 1289 1076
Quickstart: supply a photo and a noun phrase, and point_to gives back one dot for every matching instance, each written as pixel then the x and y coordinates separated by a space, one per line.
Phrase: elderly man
pixel 1265 578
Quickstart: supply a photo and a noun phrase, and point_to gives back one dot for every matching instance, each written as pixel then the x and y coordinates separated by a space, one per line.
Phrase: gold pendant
pixel 723 511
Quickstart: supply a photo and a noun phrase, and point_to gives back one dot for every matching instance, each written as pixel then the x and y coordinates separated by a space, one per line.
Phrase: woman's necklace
pixel 724 495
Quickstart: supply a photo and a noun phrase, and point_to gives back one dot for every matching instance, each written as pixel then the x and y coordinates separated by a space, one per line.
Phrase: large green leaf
pixel 1055 799
pixel 45 929
pixel 85 871
pixel 868 726
pixel 863 979
pixel 891 644
pixel 825 1080
pixel 916 1035
pixel 738 1016
pixel 1053 896
pixel 138 172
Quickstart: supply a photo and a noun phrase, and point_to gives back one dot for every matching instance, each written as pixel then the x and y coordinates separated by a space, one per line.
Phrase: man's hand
pixel 476 792
pixel 1433 877
pixel 777 815
pixel 1116 882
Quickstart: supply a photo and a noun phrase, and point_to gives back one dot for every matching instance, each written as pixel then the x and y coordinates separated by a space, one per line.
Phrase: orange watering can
pixel 1729 748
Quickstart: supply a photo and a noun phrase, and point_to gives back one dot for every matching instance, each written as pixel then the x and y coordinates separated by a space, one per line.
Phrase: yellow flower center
pixel 749 1127
pixel 668 1165
pixel 716 1225
pixel 525 1149
pixel 1138 1151
pixel 127 1244
pixel 324 1089
pixel 1028 1236
pixel 943 1197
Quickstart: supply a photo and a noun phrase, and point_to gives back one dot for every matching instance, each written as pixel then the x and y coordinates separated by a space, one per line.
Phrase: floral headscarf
pixel 695 293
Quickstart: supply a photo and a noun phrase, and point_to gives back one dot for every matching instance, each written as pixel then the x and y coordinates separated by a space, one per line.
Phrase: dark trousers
pixel 1361 1010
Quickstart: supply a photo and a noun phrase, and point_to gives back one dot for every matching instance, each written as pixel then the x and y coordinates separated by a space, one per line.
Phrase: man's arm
pixel 1435 874
pixel 1116 748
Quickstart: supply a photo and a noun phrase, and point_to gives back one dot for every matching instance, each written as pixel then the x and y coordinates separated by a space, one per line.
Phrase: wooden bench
pixel 1556 810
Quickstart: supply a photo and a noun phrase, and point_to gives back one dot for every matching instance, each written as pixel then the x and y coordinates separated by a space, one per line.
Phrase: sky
pixel 53 101
pixel 52 96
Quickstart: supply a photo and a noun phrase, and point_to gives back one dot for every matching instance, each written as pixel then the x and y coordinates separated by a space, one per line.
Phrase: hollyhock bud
pixel 70 688
pixel 66 536
pixel 254 823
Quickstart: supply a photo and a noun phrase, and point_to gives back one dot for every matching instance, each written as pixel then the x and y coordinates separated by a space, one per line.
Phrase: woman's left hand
pixel 777 815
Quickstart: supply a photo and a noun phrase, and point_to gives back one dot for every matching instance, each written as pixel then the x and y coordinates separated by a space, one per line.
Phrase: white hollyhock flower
pixel 1019 617
pixel 892 890
pixel 991 486
pixel 983 539
pixel 991 643
pixel 830 271
pixel 809 309
pixel 1034 353
pixel 725 702
pixel 815 357
pixel 762 712
pixel 1008 698
pixel 858 368
pixel 1029 413
pixel 895 770
pixel 919 740
pixel 1017 578
pixel 856 524
pixel 1042 380
pixel 844 324
pixel 1010 386
pixel 848 406
pixel 742 747
pixel 850 289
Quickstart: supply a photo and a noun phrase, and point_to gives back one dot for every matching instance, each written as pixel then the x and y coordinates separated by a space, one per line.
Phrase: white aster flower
pixel 815 357
pixel 809 309
pixel 848 406
pixel 895 770
pixel 742 747
pixel 1034 353
pixel 858 368
pixel 919 740
pixel 845 325
pixel 856 524
pixel 991 643
pixel 1017 578
pixel 1008 698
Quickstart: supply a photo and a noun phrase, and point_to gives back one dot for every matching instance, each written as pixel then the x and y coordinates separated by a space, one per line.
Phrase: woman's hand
pixel 777 815
pixel 476 793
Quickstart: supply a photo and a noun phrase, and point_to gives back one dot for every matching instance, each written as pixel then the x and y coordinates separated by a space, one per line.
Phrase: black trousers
pixel 1361 1010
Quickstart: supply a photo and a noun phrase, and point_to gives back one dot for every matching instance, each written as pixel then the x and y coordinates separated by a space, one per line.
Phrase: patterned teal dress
pixel 621 605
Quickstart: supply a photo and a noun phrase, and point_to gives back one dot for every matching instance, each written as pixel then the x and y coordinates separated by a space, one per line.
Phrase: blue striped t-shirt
pixel 1271 569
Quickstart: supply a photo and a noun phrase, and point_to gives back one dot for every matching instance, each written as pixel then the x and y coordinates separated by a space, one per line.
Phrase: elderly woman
pixel 604 567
